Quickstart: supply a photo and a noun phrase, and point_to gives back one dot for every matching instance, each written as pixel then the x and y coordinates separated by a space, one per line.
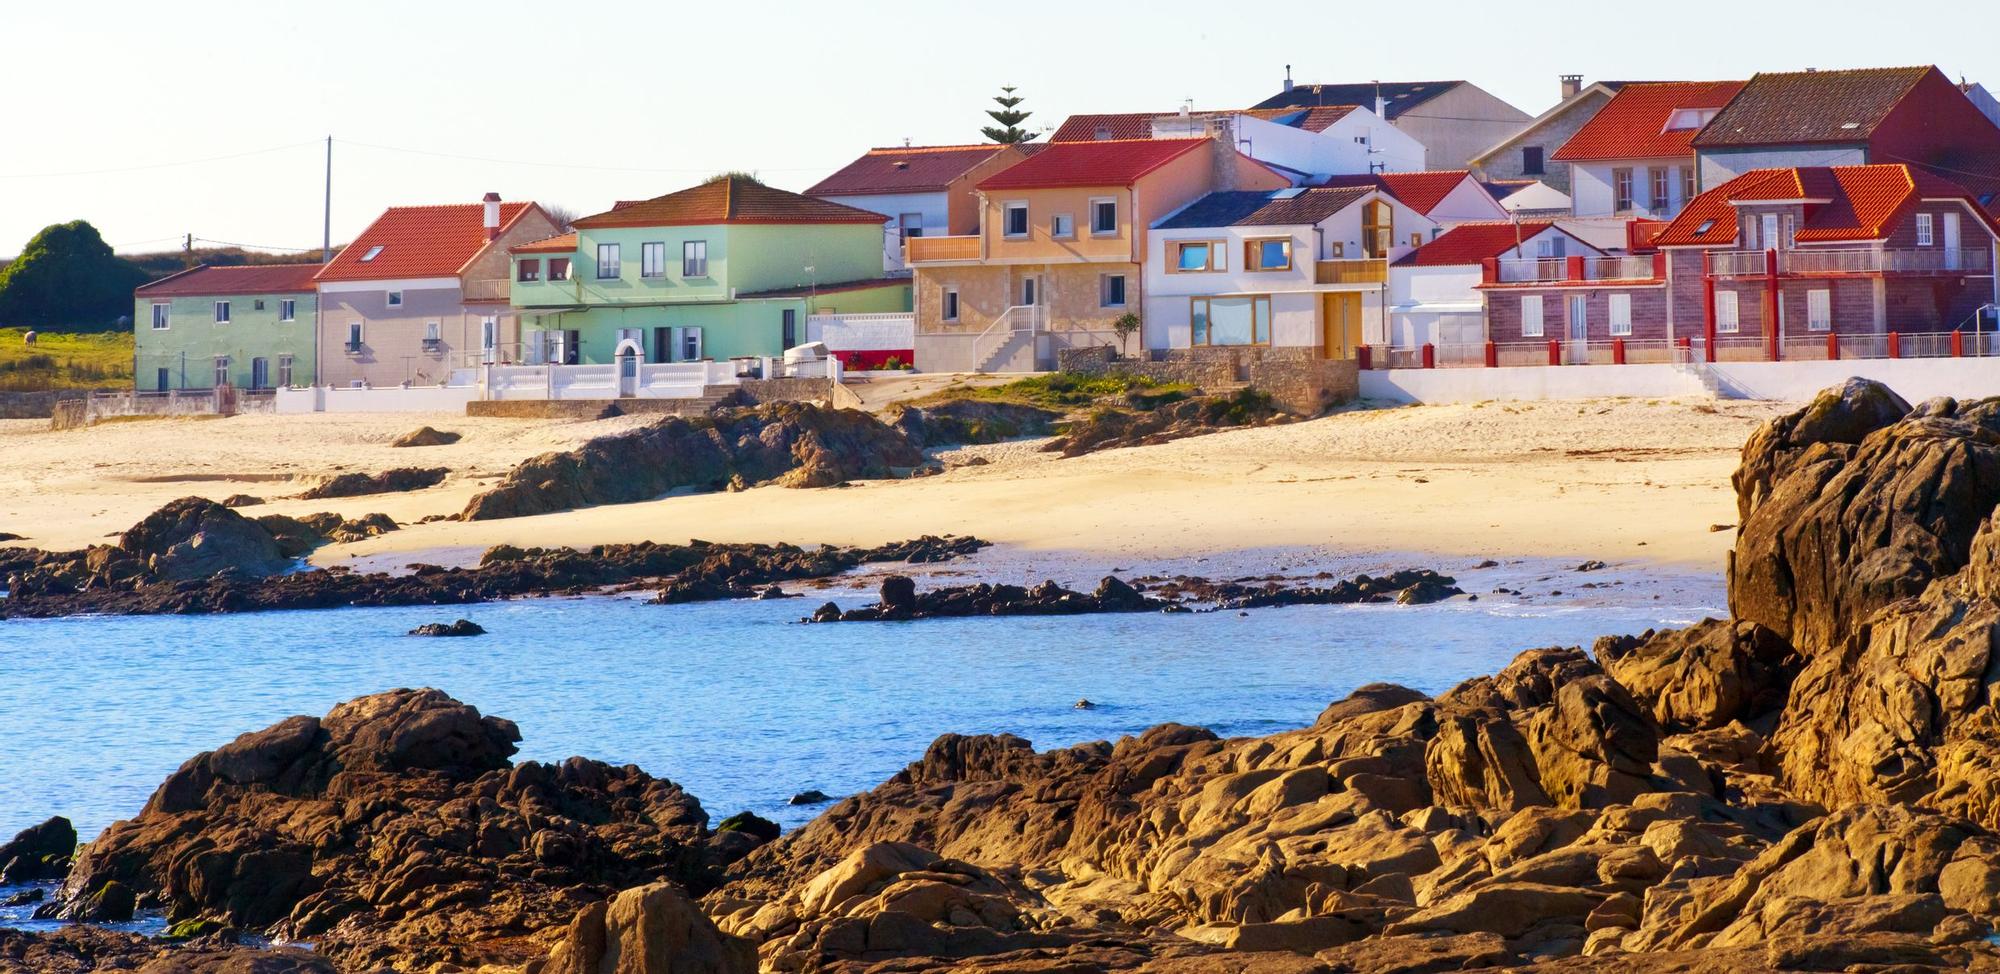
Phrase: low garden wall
pixel 1297 378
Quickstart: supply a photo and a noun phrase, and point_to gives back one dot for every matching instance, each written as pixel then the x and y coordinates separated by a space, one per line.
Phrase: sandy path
pixel 1619 480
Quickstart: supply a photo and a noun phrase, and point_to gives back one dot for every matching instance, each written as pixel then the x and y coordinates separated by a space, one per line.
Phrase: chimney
pixel 1381 103
pixel 492 216
pixel 1572 85
pixel 1288 78
pixel 1223 150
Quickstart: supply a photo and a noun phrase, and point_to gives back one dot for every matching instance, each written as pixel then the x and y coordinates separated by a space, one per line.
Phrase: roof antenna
pixel 906 141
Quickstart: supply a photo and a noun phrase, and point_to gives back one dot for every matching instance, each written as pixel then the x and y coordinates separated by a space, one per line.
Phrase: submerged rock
pixel 463 627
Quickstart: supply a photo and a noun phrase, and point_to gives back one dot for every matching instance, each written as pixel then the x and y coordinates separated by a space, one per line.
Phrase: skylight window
pixel 1706 226
pixel 1850 125
pixel 373 252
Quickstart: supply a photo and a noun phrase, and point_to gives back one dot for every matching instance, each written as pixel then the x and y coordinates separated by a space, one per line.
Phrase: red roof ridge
pixel 884 150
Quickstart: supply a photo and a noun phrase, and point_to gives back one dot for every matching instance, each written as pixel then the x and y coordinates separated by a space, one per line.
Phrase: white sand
pixel 1618 480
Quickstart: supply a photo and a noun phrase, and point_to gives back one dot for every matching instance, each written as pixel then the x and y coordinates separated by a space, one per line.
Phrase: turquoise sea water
pixel 735 701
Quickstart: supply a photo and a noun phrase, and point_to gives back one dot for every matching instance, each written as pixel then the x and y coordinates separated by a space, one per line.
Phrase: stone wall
pixel 575 409
pixel 1297 378
pixel 756 391
pixel 35 405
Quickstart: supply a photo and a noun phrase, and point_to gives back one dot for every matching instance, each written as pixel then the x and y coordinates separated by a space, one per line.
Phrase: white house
pixel 1635 158
pixel 921 191
pixel 1324 141
pixel 1446 197
pixel 1434 295
pixel 1301 267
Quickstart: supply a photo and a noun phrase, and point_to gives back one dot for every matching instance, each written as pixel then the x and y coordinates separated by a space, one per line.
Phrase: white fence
pixel 416 399
pixel 635 380
pixel 863 333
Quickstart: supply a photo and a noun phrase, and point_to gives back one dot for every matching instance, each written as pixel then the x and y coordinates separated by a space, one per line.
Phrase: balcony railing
pixel 1528 270
pixel 1812 262
pixel 919 249
pixel 1370 270
pixel 1576 269
pixel 1625 268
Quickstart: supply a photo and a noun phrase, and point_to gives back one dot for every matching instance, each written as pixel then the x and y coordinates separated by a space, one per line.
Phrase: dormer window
pixel 1103 133
pixel 373 252
pixel 1689 119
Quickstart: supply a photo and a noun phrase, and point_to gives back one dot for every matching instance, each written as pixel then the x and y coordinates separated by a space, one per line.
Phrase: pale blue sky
pixel 601 91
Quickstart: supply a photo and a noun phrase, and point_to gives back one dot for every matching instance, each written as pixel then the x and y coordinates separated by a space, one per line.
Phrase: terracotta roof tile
pixel 918 169
pixel 561 243
pixel 1420 191
pixel 1861 203
pixel 418 241
pixel 1470 243
pixel 235 279
pixel 1113 163
pixel 729 199
pixel 1633 124
pixel 1261 208
pixel 1797 107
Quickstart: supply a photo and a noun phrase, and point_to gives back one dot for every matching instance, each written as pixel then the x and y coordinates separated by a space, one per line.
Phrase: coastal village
pixel 1371 530
pixel 1328 230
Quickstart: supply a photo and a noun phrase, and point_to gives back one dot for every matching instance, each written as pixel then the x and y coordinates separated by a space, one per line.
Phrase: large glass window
pixel 653 260
pixel 558 268
pixel 1378 228
pixel 1272 254
pixel 1232 321
pixel 1195 256
pixel 607 262
pixel 1531 316
pixel 1015 220
pixel 529 269
pixel 1103 217
pixel 694 258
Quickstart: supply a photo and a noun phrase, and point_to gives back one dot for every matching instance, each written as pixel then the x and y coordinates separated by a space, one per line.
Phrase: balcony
pixel 1371 270
pixel 1813 262
pixel 921 249
pixel 1641 269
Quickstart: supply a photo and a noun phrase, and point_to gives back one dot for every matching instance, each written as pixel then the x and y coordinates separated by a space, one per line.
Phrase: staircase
pixel 1015 330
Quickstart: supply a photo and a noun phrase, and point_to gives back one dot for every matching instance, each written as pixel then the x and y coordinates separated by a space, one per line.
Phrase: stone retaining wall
pixel 36 405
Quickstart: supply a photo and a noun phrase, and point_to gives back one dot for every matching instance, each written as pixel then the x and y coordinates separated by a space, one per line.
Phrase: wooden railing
pixel 1809 262
pixel 919 249
pixel 1371 270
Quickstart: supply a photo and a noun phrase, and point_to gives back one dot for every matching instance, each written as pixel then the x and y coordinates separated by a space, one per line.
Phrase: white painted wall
pixel 937 222
pixel 1593 195
pixel 420 399
pixel 1540 196
pixel 1915 379
pixel 1467 201
pixel 1530 383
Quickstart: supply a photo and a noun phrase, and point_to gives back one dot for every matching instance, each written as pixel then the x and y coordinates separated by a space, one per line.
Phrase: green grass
pixel 1067 390
pixel 60 360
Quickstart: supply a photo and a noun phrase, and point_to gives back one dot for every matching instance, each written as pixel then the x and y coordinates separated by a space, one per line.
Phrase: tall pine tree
pixel 1009 131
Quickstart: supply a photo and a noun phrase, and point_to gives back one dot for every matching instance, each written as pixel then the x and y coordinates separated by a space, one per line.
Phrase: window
pixel 1062 226
pixel 1725 312
pixel 1015 221
pixel 558 268
pixel 1687 184
pixel 1621 190
pixel 911 225
pixel 1531 161
pixel 1689 119
pixel 652 260
pixel 528 270
pixel 1925 235
pixel 221 371
pixel 1195 256
pixel 1819 310
pixel 1659 177
pixel 433 335
pixel 1768 230
pixel 1103 133
pixel 1531 316
pixel 1416 240
pixel 257 304
pixel 163 379
pixel 1621 314
pixel 1103 217
pixel 288 310
pixel 354 336
pixel 1378 228
pixel 1231 321
pixel 1111 291
pixel 949 311
pixel 1338 250
pixel 284 371
pixel 373 252
pixel 395 299
pixel 690 344
pixel 260 373
pixel 163 315
pixel 489 333
pixel 222 312
pixel 694 258
pixel 788 330
pixel 1552 247
pixel 1274 254
pixel 1790 238
pixel 1750 232
pixel 607 262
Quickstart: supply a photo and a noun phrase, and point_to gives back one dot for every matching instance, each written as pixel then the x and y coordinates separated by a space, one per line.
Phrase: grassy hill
pixel 64 361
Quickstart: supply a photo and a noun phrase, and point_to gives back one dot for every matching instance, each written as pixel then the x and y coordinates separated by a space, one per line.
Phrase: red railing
pixel 1811 347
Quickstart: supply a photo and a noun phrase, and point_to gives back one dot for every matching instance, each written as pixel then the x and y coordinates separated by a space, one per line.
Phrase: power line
pixel 566 165
pixel 231 243
pixel 156 165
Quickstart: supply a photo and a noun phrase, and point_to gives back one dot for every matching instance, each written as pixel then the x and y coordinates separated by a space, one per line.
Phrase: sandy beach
pixel 1617 480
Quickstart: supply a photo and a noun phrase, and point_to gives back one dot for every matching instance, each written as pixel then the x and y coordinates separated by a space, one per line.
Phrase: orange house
pixel 1057 258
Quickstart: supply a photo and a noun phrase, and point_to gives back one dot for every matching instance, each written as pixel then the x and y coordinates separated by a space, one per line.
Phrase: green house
pixel 730 268
pixel 250 327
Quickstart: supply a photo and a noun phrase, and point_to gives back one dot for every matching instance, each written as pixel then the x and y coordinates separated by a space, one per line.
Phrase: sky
pixel 155 120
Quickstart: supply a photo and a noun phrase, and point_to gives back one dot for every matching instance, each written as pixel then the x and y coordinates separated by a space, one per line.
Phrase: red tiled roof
pixel 1860 203
pixel 235 279
pixel 919 169
pixel 1111 163
pixel 729 199
pixel 419 241
pixel 1420 191
pixel 1633 124
pixel 561 243
pixel 1470 243
pixel 1139 125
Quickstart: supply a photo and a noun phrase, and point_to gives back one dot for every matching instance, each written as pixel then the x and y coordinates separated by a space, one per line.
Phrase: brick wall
pixel 1649 312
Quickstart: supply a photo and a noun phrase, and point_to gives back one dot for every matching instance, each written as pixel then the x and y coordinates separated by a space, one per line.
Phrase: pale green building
pixel 249 326
pixel 730 268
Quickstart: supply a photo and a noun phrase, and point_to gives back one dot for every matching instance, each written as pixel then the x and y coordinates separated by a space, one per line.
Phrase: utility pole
pixel 326 228
pixel 187 253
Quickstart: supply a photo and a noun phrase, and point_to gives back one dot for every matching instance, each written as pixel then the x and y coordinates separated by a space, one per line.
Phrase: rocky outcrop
pixel 39 852
pixel 447 630
pixel 396 831
pixel 84 949
pixel 647 930
pixel 900 600
pixel 789 444
pixel 426 436
pixel 958 422
pixel 387 482
pixel 197 538
pixel 1110 429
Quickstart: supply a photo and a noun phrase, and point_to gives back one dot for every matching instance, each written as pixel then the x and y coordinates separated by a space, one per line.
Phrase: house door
pixel 628 371
pixel 1340 325
pixel 1951 257
pixel 1578 352
pixel 1031 290
pixel 260 373
pixel 165 379
pixel 789 332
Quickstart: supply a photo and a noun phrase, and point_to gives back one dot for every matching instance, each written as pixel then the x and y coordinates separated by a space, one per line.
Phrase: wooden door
pixel 1340 324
